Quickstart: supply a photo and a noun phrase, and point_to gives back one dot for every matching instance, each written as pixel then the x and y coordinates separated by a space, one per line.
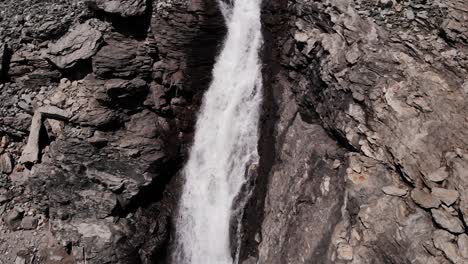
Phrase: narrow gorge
pixel 233 131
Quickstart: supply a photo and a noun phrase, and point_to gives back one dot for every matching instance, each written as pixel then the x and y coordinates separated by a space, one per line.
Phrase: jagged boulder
pixel 122 58
pixel 123 8
pixel 446 242
pixel 6 164
pixel 123 92
pixel 80 43
pixel 448 221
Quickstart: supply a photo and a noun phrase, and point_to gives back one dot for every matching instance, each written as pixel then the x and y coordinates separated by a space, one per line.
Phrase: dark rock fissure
pixel 5 59
pixel 134 27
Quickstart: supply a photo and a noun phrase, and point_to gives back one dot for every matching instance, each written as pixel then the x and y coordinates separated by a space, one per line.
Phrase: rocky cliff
pixel 370 138
pixel 364 143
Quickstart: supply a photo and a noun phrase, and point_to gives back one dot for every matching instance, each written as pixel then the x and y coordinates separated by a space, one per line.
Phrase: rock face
pixel 363 145
pixel 80 43
pixel 95 120
pixel 123 58
pixel 389 88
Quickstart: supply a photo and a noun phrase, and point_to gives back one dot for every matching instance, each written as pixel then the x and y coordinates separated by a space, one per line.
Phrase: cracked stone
pixel 424 199
pixel 463 245
pixel 439 175
pixel 448 221
pixel 81 43
pixel 448 197
pixel 445 242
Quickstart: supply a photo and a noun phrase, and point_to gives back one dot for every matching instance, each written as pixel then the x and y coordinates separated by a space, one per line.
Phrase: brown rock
pixel 122 58
pixel 424 199
pixel 439 175
pixel 6 164
pixel 394 191
pixel 448 197
pixel 445 242
pixel 29 223
pixel 80 43
pixel 447 221
pixel 463 245
pixel 30 153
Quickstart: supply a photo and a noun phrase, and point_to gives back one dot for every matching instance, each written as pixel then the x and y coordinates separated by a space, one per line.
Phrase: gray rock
pixel 455 24
pixel 395 191
pixel 447 221
pixel 29 223
pixel 445 242
pixel 54 112
pixel 126 93
pixel 80 43
pixel 409 14
pixel 462 243
pixel 424 199
pixel 76 182
pixel 6 164
pixel 308 216
pixel 448 197
pixel 390 88
pixel 122 58
pixel 438 175
pixel 13 219
pixel 31 151
pixel 124 8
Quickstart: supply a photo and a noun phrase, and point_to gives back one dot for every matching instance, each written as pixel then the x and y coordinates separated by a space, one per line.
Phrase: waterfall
pixel 225 141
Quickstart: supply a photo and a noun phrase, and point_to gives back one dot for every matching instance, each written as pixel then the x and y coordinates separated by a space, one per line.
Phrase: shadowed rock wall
pixel 371 144
pixel 97 109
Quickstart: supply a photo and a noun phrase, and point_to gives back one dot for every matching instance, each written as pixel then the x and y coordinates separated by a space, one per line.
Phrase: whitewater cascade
pixel 225 141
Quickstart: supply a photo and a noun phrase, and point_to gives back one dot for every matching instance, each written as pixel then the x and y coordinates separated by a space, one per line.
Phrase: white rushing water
pixel 225 142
